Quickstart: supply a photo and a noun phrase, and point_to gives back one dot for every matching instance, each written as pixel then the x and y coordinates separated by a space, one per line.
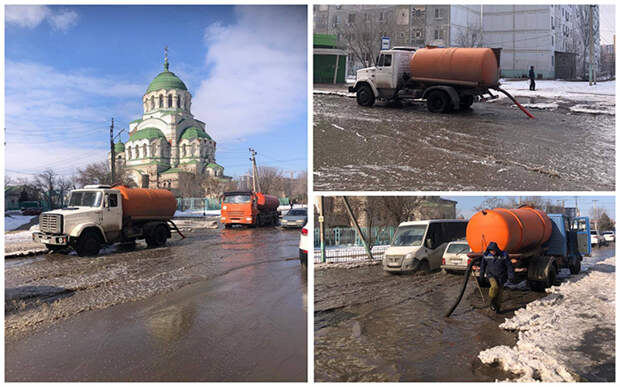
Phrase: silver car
pixel 294 218
pixel 455 256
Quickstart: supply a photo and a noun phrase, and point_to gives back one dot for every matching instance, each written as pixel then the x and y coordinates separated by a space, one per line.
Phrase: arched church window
pixel 193 150
pixel 184 150
pixel 169 100
pixel 153 150
pixel 152 102
pixel 161 101
pixel 143 150
pixel 178 101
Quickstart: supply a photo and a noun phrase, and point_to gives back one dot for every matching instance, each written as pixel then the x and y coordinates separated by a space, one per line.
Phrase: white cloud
pixel 64 20
pixel 53 116
pixel 258 76
pixel 30 16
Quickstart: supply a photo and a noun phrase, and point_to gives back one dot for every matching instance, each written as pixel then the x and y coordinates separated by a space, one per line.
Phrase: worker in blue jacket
pixel 497 267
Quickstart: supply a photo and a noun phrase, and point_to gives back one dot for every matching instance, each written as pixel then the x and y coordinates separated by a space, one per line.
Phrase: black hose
pixel 467 274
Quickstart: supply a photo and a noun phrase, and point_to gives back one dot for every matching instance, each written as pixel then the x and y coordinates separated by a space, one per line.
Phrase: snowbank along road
pixel 373 326
pixel 492 145
pixel 219 305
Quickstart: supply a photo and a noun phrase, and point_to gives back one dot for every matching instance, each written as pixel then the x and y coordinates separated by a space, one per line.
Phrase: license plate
pixel 45 240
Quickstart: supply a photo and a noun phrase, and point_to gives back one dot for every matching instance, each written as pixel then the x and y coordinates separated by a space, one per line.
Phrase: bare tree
pixel 469 37
pixel 363 34
pixel 271 180
pixel 99 173
pixel 64 186
pixel 46 181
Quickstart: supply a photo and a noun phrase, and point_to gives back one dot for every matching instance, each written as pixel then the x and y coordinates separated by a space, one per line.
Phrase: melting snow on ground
pixel 604 92
pixel 13 221
pixel 567 335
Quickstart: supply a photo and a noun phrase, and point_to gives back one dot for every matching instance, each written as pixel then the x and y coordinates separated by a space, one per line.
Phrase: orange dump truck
pixel 447 78
pixel 538 244
pixel 99 215
pixel 249 208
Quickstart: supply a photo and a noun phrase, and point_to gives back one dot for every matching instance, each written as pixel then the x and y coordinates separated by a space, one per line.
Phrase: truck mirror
pixel 106 201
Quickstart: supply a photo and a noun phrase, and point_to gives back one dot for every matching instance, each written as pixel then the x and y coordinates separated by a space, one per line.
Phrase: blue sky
pixel 465 204
pixel 69 69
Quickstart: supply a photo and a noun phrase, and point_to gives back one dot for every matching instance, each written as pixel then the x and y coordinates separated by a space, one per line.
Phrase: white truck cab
pixel 419 245
pixel 384 79
pixel 92 218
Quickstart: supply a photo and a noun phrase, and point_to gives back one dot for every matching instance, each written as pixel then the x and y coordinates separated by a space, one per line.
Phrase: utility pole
pixel 255 181
pixel 112 155
pixel 322 226
pixel 357 228
pixel 591 47
pixel 595 214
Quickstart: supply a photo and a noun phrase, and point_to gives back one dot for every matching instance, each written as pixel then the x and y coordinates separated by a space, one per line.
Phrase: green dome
pixel 193 132
pixel 119 147
pixel 166 80
pixel 146 133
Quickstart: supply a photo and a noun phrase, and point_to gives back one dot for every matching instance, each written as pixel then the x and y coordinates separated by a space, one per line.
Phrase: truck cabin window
pixel 409 235
pixel 237 199
pixel 85 199
pixel 385 60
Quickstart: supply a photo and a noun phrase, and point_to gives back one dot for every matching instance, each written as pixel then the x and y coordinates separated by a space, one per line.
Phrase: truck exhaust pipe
pixel 514 101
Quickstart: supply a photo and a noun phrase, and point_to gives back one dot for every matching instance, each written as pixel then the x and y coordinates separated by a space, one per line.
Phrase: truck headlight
pixel 248 219
pixel 223 207
pixel 223 218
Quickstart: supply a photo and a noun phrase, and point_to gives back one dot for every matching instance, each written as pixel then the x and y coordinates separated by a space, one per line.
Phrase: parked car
pixel 455 257
pixel 294 218
pixel 419 245
pixel 304 246
pixel 32 211
pixel 609 236
pixel 597 239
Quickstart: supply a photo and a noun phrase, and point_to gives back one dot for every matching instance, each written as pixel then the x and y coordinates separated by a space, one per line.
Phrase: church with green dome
pixel 167 146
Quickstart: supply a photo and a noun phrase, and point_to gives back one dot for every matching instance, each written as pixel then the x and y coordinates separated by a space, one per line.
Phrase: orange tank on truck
pixel 476 67
pixel 267 202
pixel 144 203
pixel 514 230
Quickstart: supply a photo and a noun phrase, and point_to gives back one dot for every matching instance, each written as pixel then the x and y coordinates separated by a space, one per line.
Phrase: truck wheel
pixel 575 268
pixel 89 244
pixel 549 281
pixel 438 102
pixel 365 96
pixel 157 237
pixel 466 101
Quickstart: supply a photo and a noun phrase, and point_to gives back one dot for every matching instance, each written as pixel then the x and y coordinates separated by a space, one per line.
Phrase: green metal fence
pixel 344 236
pixel 189 204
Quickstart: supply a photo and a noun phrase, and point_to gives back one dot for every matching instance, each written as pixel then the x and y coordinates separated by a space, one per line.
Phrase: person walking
pixel 497 267
pixel 532 79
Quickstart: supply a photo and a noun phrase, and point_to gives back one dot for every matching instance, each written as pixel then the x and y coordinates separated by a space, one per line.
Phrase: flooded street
pixel 221 305
pixel 493 146
pixel 373 326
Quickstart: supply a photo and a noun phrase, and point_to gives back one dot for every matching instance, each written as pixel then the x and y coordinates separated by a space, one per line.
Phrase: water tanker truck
pixel 538 244
pixel 100 215
pixel 249 208
pixel 447 78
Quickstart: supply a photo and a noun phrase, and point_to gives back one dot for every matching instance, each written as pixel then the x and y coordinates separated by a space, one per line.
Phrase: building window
pixel 418 34
pixel 161 101
pixel 552 25
pixel 152 102
pixel 336 20
pixel 552 61
pixel 551 40
pixel 178 101
pixel 436 34
pixel 381 16
pixel 169 100
pixel 351 18
pixel 436 13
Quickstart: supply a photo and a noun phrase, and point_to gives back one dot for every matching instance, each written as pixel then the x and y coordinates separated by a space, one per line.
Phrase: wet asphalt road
pixel 374 326
pixel 493 146
pixel 221 305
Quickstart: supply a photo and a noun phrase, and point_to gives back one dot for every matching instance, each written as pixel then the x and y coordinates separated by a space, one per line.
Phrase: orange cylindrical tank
pixel 473 66
pixel 145 203
pixel 266 202
pixel 513 230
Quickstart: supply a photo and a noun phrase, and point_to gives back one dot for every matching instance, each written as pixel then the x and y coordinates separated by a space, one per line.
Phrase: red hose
pixel 515 102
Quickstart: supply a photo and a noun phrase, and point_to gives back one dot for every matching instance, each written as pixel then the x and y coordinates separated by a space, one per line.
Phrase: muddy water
pixel 489 147
pixel 373 326
pixel 221 305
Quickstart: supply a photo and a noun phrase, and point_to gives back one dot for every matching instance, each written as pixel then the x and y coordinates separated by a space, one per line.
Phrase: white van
pixel 419 245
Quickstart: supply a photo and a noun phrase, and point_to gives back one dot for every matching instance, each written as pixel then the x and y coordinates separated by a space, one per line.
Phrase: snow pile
pixel 345 265
pixel 603 92
pixel 543 106
pixel 593 109
pixel 16 237
pixel 193 213
pixel 13 221
pixel 554 331
pixel 333 92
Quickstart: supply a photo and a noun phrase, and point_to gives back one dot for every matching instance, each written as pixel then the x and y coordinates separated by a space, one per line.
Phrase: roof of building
pixel 119 147
pixel 325 40
pixel 146 133
pixel 172 170
pixel 193 132
pixel 214 166
pixel 166 80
